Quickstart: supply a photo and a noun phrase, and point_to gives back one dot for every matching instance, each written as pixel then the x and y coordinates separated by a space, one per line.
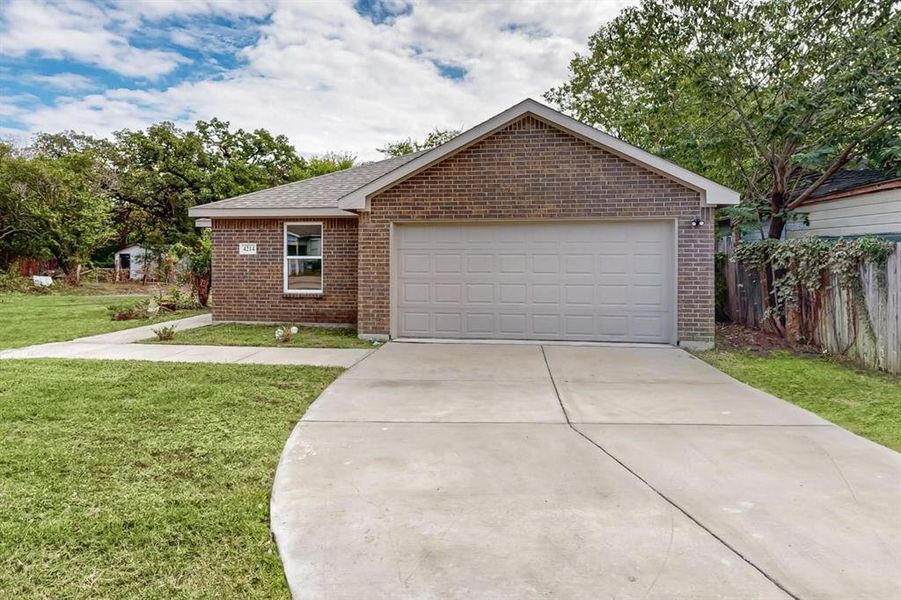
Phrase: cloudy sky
pixel 332 75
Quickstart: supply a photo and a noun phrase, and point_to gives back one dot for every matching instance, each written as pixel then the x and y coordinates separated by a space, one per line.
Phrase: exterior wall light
pixel 697 222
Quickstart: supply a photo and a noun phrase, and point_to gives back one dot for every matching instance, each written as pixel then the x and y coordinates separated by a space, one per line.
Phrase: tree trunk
pixel 778 200
pixel 777 225
pixel 202 287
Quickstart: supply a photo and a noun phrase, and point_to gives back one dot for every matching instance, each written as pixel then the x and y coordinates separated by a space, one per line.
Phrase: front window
pixel 303 257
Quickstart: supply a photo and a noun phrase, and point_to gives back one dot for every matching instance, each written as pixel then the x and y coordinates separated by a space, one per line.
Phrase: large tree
pixel 408 145
pixel 752 94
pixel 163 171
pixel 53 206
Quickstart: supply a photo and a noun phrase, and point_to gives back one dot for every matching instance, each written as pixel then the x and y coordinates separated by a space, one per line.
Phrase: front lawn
pixel 865 402
pixel 32 319
pixel 143 480
pixel 264 335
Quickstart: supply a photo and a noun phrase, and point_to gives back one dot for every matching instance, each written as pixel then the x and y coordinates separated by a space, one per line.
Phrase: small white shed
pixel 130 263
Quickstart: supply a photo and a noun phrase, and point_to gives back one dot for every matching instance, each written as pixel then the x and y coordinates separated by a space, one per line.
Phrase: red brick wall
pixel 250 287
pixel 532 170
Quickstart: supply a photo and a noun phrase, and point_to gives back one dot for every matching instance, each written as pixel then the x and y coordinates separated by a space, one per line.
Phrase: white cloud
pixel 333 80
pixel 70 82
pixel 78 30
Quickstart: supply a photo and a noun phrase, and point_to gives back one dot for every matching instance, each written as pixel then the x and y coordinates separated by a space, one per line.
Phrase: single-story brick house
pixel 531 225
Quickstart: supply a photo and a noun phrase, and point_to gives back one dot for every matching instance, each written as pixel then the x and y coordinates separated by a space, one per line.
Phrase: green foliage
pixel 165 333
pixel 200 264
pixel 800 265
pixel 409 145
pixel 164 171
pixel 53 206
pixel 748 93
pixel 69 195
pixel 200 255
pixel 11 281
pixel 152 307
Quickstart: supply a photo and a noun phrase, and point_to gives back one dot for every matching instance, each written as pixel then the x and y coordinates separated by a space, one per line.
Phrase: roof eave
pixel 268 213
pixel 712 193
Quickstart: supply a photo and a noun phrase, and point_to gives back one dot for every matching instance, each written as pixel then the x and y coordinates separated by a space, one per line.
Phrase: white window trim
pixel 321 258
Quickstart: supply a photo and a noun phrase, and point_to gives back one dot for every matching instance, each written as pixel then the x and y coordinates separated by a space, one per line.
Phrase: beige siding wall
pixel 879 212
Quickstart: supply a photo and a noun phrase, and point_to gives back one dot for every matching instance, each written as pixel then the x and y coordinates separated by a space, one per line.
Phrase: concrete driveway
pixel 526 471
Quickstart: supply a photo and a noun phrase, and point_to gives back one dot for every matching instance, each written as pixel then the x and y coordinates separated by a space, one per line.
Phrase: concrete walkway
pixel 500 471
pixel 120 345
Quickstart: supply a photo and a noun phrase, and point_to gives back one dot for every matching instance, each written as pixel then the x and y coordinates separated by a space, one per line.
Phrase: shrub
pixel 128 312
pixel 175 300
pixel 165 333
pixel 11 281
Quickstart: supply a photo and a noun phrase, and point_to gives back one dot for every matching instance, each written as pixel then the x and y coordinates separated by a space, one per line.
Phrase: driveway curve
pixel 527 471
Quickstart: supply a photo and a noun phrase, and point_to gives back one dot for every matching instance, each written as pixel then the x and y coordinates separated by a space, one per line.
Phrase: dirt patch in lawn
pixel 731 336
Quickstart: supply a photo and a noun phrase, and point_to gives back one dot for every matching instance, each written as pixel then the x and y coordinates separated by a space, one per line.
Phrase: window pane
pixel 304 240
pixel 305 274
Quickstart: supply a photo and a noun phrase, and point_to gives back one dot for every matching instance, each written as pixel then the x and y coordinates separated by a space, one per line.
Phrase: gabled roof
pixel 316 196
pixel 711 192
pixel 338 193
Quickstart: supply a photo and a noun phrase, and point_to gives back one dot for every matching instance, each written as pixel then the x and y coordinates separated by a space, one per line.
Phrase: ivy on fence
pixel 795 273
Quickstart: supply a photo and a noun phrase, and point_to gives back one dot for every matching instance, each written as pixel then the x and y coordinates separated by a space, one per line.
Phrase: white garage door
pixel 599 281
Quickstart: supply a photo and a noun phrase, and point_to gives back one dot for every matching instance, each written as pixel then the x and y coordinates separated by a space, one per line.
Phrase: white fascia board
pixel 243 213
pixel 712 193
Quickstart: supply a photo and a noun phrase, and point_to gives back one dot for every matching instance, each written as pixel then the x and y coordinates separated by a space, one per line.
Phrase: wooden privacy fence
pixel 871 337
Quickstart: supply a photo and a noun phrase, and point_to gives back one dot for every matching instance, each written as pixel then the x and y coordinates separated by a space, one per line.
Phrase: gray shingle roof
pixel 317 192
pixel 845 180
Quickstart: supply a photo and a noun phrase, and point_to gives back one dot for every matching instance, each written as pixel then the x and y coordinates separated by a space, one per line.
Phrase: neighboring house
pixel 129 263
pixel 852 203
pixel 531 225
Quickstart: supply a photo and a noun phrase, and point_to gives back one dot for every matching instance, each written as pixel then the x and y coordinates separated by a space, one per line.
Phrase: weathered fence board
pixel 871 338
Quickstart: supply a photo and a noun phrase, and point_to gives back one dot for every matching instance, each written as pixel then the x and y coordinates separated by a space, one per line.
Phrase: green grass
pixel 143 480
pixel 27 319
pixel 864 402
pixel 264 335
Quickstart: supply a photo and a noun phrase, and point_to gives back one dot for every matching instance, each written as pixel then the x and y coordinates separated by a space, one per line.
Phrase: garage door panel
pixel 648 295
pixel 416 323
pixel 512 263
pixel 582 281
pixel 447 263
pixel 480 263
pixel 480 323
pixel 613 326
pixel 579 295
pixel 415 264
pixel 646 327
pixel 650 264
pixel 448 322
pixel 578 263
pixel 480 293
pixel 545 263
pixel 616 296
pixel 415 293
pixel 613 264
pixel 447 293
pixel 545 294
pixel 514 293
pixel 512 324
